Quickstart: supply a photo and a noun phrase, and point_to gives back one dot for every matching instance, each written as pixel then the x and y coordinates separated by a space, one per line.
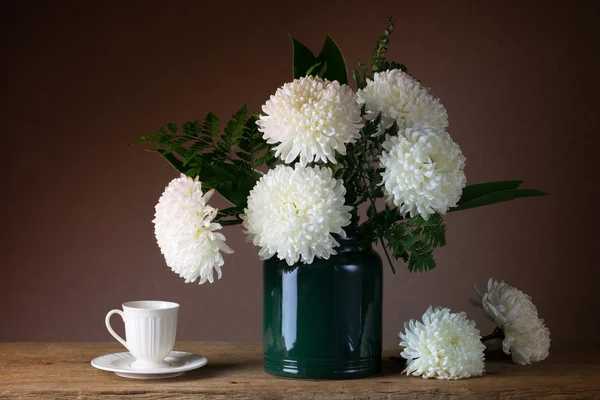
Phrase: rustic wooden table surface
pixel 234 371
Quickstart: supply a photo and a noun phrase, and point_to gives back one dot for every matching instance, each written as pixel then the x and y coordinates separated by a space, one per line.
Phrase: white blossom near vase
pixel 443 345
pixel 523 334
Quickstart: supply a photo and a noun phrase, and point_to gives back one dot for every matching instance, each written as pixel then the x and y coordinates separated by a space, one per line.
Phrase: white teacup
pixel 150 328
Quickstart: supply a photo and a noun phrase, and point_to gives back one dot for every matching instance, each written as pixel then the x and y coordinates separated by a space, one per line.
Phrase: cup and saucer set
pixel 150 328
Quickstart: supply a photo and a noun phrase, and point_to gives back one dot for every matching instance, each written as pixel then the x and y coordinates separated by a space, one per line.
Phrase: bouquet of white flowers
pixel 297 174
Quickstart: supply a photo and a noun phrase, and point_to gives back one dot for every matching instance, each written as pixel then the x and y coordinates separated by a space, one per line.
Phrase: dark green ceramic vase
pixel 323 320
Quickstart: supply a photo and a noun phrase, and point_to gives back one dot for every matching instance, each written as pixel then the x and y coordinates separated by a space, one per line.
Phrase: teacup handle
pixel 111 330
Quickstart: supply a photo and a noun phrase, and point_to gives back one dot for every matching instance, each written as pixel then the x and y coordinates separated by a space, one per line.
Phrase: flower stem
pixel 230 222
pixel 497 334
pixel 387 255
pixel 364 180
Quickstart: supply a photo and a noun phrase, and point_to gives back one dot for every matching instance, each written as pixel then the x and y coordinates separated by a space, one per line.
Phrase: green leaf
pixel 172 127
pixel 268 159
pixel 360 76
pixel 223 146
pixel 235 127
pixel 191 128
pixel 311 70
pixel 330 60
pixel 395 65
pixel 358 83
pixel 233 183
pixel 323 70
pixel 304 59
pixel 363 69
pixel 378 58
pixel 332 57
pixel 415 240
pixel 174 161
pixel 244 156
pixel 499 197
pixel 210 126
pixel 373 127
pixel 371 212
pixel 480 189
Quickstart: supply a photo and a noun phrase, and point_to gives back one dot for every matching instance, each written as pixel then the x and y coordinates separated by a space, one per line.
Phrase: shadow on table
pixel 212 370
pixel 497 363
pixel 392 366
pixel 494 365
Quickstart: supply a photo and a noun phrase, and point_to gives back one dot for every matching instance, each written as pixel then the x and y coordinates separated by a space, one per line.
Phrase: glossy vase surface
pixel 323 320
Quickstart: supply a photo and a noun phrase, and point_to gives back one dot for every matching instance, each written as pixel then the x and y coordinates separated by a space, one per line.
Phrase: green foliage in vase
pixel 329 64
pixel 228 162
pixel 411 239
pixel 378 60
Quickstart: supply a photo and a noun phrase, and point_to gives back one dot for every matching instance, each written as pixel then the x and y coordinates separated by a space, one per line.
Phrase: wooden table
pixel 234 371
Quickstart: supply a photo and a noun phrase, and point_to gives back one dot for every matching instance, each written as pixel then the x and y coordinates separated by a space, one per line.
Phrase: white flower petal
pixel 185 232
pixel 311 117
pixel 292 213
pixel 400 98
pixel 526 338
pixel 423 171
pixel 445 346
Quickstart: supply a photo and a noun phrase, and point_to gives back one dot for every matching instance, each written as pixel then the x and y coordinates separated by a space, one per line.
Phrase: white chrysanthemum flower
pixel 311 117
pixel 399 97
pixel 185 232
pixel 292 212
pixel 423 171
pixel 445 345
pixel 526 338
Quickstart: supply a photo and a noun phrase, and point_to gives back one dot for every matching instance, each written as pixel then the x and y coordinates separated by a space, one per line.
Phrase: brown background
pixel 81 79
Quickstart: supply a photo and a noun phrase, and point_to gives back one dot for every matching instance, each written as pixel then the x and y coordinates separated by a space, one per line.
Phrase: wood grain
pixel 234 371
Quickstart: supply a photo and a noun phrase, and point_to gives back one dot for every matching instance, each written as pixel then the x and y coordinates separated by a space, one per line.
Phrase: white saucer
pixel 120 364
